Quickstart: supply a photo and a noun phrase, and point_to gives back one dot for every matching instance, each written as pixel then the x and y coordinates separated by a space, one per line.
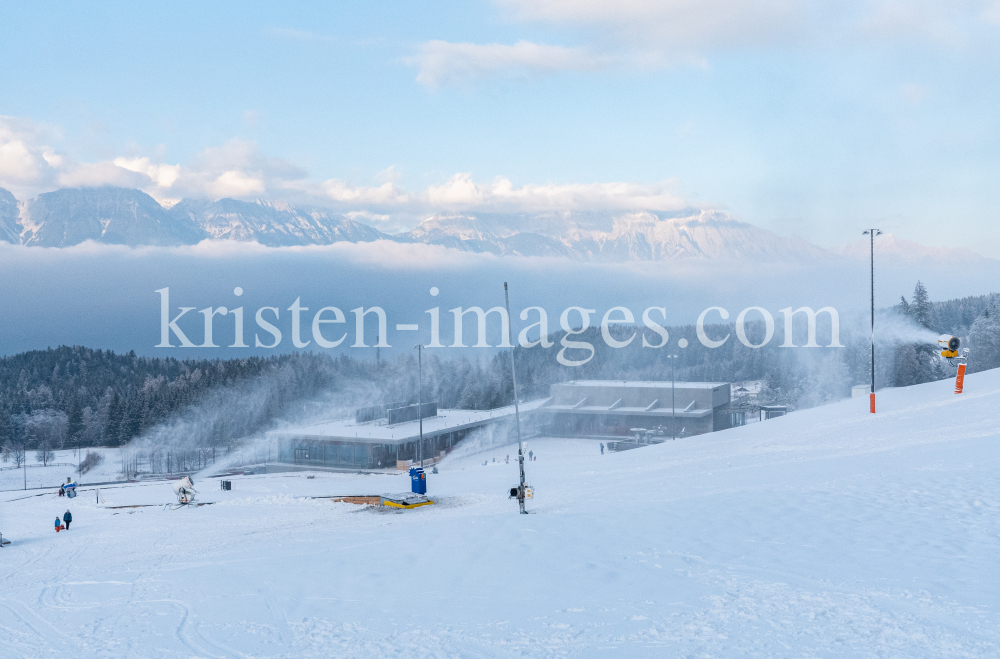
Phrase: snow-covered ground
pixel 63 466
pixel 827 533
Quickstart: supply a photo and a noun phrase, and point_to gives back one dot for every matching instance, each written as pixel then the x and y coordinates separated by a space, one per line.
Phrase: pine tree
pixel 114 423
pixel 984 342
pixel 920 309
pixel 74 425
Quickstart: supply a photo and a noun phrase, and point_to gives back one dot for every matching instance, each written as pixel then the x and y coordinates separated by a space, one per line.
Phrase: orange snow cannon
pixel 949 345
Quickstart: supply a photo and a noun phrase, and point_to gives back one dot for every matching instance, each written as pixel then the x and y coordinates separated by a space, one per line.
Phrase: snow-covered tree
pixel 44 454
pixel 920 308
pixel 984 341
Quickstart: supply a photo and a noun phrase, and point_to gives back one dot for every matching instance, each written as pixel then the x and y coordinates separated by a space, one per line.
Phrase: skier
pixel 506 460
pixel 602 448
pixel 58 524
pixel 68 517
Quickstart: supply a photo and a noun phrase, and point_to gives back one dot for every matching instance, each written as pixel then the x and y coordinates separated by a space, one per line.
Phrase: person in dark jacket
pixel 58 524
pixel 67 518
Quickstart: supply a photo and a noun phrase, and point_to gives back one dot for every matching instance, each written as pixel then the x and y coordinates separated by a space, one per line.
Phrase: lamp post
pixel 517 409
pixel 871 233
pixel 673 399
pixel 420 398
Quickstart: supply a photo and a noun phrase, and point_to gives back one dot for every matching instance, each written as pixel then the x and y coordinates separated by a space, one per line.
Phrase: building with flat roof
pixel 613 408
pixel 367 443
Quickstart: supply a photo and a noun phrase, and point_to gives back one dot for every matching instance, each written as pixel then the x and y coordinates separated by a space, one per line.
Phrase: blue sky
pixel 812 118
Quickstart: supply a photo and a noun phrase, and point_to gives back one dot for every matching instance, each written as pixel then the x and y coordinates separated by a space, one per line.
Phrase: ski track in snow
pixel 826 533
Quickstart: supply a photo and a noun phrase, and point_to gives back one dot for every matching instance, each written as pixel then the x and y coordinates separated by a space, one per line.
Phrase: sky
pixel 817 119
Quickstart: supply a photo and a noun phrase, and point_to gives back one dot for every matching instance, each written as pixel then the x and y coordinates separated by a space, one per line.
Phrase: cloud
pixel 443 62
pixel 163 176
pixel 460 191
pixel 23 158
pixel 991 13
pixel 671 23
pixel 652 34
pixel 236 184
pixel 913 93
pixel 385 194
pixel 237 168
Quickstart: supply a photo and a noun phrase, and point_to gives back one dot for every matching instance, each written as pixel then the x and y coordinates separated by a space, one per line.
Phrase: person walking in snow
pixel 67 518
pixel 531 455
pixel 602 448
pixel 62 491
pixel 58 524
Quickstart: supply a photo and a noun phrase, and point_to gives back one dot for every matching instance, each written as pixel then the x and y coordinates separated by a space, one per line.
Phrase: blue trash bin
pixel 418 480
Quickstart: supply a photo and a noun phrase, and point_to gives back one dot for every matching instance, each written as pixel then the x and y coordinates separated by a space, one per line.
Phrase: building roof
pixel 611 410
pixel 347 430
pixel 644 384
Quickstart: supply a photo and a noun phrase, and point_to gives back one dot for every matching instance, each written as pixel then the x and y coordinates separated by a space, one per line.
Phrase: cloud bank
pixel 651 34
pixel 29 165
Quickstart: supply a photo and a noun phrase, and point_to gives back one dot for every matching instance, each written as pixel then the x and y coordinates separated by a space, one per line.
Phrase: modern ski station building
pixel 617 408
pixel 388 436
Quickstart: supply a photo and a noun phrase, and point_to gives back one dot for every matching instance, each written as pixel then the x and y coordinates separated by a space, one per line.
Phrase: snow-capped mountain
pixel 116 216
pixel 641 236
pixel 131 217
pixel 271 223
pixel 493 234
pixel 10 228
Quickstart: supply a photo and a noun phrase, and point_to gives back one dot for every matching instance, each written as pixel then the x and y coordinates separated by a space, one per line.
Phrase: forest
pixel 71 397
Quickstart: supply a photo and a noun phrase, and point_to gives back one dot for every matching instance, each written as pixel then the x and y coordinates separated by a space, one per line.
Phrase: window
pixel 301 454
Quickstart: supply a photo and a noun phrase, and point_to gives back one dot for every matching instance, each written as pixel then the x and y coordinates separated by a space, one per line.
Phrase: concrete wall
pixel 638 396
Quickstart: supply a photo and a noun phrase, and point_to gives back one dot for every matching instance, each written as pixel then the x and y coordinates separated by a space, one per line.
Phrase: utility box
pixel 226 485
pixel 418 480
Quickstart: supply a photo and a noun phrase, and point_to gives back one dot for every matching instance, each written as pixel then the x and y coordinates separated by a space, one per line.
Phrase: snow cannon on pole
pixel 949 345
pixel 184 489
pixel 949 350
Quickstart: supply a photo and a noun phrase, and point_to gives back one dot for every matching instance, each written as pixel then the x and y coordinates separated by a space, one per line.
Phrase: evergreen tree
pixel 74 424
pixel 984 342
pixel 920 309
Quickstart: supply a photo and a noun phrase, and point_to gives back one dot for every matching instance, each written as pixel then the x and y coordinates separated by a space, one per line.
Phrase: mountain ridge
pixel 124 216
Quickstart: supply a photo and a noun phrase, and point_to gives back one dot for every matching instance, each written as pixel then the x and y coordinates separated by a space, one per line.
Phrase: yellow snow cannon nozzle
pixel 949 345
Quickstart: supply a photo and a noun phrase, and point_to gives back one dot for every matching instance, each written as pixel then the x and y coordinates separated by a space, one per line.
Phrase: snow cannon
pixel 184 489
pixel 949 345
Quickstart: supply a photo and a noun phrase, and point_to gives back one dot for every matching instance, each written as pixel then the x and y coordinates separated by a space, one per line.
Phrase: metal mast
pixel 420 398
pixel 673 399
pixel 517 409
pixel 872 233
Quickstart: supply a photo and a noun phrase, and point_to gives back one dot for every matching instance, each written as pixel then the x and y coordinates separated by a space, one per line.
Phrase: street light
pixel 521 490
pixel 420 398
pixel 872 233
pixel 673 404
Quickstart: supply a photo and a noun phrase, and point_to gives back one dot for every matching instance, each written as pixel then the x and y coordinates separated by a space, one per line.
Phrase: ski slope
pixel 34 475
pixel 827 533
